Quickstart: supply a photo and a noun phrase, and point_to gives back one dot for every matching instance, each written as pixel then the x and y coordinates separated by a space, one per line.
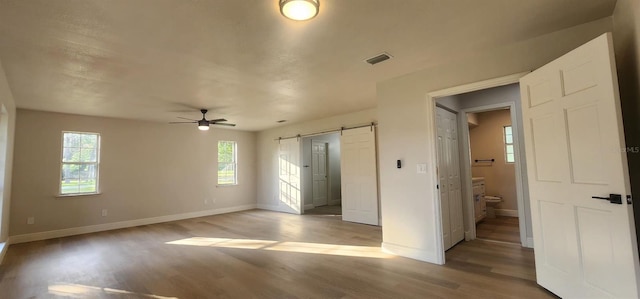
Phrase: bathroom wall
pixel 487 142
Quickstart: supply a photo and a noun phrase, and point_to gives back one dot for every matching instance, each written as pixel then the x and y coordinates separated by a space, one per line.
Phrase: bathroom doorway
pixel 469 102
pixel 491 144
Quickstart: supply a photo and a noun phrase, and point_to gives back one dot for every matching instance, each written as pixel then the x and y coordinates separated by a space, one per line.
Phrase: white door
pixel 319 172
pixel 359 176
pixel 289 198
pixel 449 178
pixel 584 247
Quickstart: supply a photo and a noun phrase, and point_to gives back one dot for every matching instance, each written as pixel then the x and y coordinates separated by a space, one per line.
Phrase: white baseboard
pixel 122 224
pixel 3 250
pixel 412 253
pixel 529 242
pixel 505 212
pixel 309 207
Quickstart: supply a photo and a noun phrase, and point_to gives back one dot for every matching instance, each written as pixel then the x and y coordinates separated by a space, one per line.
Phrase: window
pixel 508 145
pixel 227 163
pixel 80 161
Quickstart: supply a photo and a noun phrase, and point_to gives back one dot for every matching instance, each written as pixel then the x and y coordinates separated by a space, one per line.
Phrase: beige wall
pixel 626 37
pixel 268 151
pixel 147 170
pixel 406 130
pixel 487 142
pixel 6 153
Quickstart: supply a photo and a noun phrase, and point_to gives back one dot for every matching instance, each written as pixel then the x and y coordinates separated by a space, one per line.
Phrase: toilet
pixel 492 203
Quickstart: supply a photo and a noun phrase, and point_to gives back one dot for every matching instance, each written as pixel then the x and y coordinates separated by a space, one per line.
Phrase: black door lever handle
pixel 613 198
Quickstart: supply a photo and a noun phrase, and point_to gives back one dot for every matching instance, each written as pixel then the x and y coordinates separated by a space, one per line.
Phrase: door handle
pixel 613 198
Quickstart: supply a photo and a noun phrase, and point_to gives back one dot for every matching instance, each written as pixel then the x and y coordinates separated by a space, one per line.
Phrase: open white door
pixel 289 198
pixel 359 176
pixel 584 247
pixel 449 178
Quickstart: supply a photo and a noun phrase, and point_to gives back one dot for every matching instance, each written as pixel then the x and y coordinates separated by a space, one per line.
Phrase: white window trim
pixel 504 137
pixel 235 162
pixel 97 164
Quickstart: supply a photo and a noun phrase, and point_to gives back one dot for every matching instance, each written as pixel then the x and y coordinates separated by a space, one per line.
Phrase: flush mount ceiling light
pixel 299 10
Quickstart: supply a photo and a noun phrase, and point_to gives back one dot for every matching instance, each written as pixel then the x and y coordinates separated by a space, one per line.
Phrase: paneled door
pixel 319 173
pixel 359 176
pixel 584 247
pixel 449 178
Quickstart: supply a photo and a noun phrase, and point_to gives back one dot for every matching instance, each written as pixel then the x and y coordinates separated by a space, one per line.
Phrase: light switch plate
pixel 421 168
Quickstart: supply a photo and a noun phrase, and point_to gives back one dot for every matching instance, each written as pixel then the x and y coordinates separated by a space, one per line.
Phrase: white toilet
pixel 492 203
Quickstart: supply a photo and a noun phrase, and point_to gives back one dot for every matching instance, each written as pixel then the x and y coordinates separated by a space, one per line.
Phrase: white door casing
pixel 359 176
pixel 319 173
pixel 449 178
pixel 289 195
pixel 574 142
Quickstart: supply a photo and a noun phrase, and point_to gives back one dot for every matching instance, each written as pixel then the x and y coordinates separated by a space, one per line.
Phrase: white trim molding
pixel 122 224
pixel 413 253
pixel 3 249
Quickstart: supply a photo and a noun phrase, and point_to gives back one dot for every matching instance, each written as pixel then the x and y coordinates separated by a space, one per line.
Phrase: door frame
pixel 431 116
pixel 519 171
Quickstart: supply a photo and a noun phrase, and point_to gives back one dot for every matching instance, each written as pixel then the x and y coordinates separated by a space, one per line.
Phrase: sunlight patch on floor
pixel 285 246
pixel 83 291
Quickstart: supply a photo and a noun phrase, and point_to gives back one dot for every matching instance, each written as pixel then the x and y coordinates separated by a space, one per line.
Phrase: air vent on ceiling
pixel 378 58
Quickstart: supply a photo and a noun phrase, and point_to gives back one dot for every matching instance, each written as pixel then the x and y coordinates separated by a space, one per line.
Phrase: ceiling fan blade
pixel 224 124
pixel 185 118
pixel 183 122
pixel 213 121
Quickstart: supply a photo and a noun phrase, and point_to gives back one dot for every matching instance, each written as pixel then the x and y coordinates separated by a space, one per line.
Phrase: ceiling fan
pixel 204 123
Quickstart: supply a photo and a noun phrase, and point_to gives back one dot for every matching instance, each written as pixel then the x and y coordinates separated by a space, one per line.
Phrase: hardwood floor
pixel 501 228
pixel 258 254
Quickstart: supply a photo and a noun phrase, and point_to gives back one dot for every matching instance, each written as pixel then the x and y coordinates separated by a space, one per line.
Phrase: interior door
pixel 449 178
pixel 584 247
pixel 289 197
pixel 359 176
pixel 319 173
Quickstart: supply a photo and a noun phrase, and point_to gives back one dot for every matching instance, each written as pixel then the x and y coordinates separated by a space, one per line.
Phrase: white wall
pixel 147 170
pixel 6 99
pixel 268 150
pixel 333 168
pixel 406 131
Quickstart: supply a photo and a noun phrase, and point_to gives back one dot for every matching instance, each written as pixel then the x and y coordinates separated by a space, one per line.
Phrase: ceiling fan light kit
pixel 299 10
pixel 203 124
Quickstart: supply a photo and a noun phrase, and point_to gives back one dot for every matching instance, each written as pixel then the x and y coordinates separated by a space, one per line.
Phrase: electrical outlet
pixel 213 200
pixel 104 212
pixel 206 201
pixel 31 220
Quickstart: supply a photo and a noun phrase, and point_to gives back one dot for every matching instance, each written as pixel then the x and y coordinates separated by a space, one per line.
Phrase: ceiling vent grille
pixel 378 58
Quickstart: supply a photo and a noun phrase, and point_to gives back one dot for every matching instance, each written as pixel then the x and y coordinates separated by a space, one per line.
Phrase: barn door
pixel 359 176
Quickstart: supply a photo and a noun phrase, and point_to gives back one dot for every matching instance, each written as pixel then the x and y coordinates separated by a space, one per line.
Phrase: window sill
pixel 226 185
pixel 77 194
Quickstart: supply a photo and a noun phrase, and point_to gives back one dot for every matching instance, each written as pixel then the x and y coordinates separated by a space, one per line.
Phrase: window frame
pixel 234 162
pixel 507 144
pixel 96 164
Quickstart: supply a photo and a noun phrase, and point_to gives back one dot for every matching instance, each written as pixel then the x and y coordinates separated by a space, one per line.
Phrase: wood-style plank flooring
pixel 501 228
pixel 258 254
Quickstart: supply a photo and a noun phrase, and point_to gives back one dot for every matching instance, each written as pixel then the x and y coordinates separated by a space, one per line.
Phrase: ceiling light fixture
pixel 299 10
pixel 203 125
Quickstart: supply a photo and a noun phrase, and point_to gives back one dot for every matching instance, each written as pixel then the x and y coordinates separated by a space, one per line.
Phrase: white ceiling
pixel 153 59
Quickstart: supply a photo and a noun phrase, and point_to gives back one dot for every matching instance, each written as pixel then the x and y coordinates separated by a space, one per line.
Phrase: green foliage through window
pixel 80 159
pixel 227 164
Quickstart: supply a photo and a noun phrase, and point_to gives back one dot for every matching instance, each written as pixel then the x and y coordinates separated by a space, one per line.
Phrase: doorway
pixel 321 177
pixel 495 94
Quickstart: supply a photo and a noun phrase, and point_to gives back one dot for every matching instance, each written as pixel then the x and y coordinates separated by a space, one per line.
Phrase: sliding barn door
pixel 584 247
pixel 289 196
pixel 359 176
